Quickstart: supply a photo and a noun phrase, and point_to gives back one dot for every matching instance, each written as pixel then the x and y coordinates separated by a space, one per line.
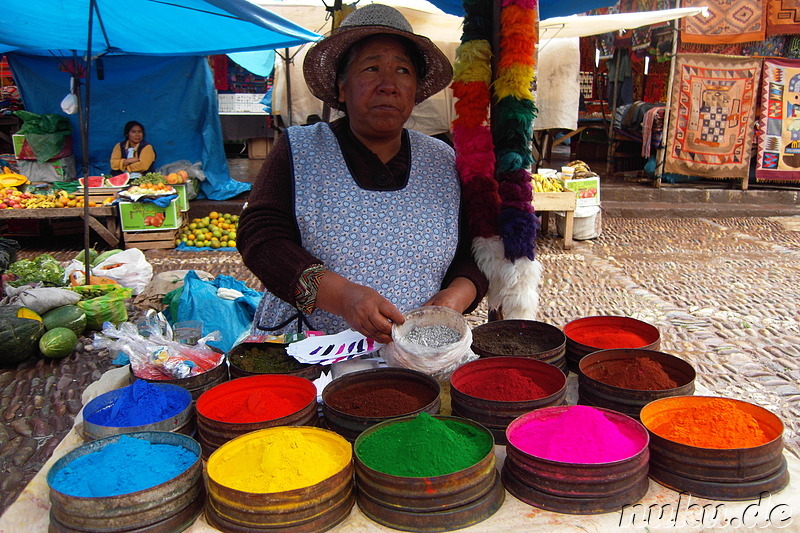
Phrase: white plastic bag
pixel 439 361
pixel 129 268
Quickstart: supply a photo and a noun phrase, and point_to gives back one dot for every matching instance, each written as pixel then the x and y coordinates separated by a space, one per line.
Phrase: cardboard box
pixel 587 190
pixel 132 216
pixel 183 201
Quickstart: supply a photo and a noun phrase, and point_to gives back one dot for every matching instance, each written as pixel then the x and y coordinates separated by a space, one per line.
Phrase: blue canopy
pixel 145 27
pixel 547 8
pixel 153 70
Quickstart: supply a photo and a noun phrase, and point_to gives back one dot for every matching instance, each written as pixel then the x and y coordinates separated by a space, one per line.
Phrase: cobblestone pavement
pixel 724 294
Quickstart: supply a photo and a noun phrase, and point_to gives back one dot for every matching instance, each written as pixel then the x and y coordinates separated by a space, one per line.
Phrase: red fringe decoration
pixel 472 104
pixel 527 4
pixel 475 152
pixel 483 207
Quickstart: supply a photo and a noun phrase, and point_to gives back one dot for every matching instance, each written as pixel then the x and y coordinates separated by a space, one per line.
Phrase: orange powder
pixel 713 424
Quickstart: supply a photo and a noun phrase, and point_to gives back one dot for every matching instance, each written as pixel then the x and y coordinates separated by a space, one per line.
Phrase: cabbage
pixel 44 268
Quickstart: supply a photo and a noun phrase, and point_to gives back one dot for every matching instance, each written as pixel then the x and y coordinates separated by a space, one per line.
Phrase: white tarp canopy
pixel 583 26
pixel 431 116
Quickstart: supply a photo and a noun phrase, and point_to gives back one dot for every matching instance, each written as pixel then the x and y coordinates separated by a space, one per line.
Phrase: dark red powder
pixel 608 337
pixel 503 385
pixel 380 399
pixel 638 373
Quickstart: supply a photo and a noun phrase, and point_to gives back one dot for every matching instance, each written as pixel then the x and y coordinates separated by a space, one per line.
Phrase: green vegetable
pixel 44 268
pixel 82 254
pixel 105 255
pixel 58 343
pixel 67 316
pixel 18 338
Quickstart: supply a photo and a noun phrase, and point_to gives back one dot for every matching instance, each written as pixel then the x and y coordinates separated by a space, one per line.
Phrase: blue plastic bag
pixel 199 301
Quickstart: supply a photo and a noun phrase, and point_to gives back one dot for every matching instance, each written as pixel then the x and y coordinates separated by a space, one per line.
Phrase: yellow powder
pixel 279 459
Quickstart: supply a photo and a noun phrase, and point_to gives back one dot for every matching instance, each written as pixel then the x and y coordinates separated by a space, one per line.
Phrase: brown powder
pixel 639 373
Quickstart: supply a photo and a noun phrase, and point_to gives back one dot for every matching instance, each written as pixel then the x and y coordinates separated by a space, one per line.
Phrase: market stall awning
pixel 547 8
pixel 145 27
pixel 583 26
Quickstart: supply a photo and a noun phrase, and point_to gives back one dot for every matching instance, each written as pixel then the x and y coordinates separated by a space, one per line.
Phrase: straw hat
pixel 323 59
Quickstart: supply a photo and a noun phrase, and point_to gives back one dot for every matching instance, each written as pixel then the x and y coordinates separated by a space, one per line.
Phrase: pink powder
pixel 577 434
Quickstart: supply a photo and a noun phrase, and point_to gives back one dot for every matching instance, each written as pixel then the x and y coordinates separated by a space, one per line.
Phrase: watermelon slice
pixel 120 180
pixel 94 181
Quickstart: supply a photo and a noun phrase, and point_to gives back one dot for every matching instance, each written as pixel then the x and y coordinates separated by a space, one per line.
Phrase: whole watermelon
pixel 58 342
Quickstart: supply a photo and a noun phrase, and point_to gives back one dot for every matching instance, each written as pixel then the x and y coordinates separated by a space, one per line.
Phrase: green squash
pixel 67 316
pixel 19 338
pixel 58 343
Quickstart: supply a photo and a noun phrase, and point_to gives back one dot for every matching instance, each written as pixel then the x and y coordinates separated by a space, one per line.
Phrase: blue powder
pixel 128 465
pixel 139 404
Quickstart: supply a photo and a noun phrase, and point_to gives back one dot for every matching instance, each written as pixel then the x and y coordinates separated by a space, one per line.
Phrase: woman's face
pixel 378 87
pixel 135 135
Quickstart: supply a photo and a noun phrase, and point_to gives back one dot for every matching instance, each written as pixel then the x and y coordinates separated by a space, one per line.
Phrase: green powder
pixel 424 447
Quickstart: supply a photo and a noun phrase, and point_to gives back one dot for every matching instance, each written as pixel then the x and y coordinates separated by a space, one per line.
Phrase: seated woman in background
pixel 134 154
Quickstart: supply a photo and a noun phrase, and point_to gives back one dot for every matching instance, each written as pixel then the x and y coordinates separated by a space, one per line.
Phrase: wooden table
pixel 103 220
pixel 544 202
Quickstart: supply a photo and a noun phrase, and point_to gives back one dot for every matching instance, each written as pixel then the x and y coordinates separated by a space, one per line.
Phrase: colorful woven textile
pixel 779 123
pixel 711 115
pixel 783 17
pixel 730 21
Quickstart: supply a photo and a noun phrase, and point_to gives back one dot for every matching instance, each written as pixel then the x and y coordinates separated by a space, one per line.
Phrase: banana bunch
pixel 547 183
pixel 40 201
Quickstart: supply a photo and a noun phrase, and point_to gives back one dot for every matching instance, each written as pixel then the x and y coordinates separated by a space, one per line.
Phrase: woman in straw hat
pixel 352 223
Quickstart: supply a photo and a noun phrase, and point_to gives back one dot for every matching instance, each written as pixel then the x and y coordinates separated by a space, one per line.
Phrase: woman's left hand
pixel 457 296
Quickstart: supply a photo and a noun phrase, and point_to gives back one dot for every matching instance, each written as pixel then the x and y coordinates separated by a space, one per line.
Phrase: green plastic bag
pixel 107 308
pixel 46 134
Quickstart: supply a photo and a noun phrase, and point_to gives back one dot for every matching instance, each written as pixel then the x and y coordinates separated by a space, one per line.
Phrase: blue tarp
pixel 547 8
pixel 145 27
pixel 173 97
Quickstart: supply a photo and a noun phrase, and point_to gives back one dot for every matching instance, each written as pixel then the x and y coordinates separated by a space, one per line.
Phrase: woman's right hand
pixel 364 309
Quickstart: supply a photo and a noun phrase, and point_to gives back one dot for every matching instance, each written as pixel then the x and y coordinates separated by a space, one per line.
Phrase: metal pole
pixel 84 119
pixel 661 152
pixel 288 61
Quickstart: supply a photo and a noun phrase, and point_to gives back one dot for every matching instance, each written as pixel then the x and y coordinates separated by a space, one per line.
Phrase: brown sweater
pixel 269 239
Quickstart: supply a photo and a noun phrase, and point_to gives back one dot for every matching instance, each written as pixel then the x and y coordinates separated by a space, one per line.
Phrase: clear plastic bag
pixel 436 361
pixel 153 354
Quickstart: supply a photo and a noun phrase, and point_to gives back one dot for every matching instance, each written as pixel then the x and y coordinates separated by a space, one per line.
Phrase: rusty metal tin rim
pixel 524 363
pixel 178 423
pixel 575 351
pixel 553 353
pixel 387 374
pixel 450 519
pixel 715 490
pixel 177 522
pixel 402 420
pixel 657 406
pixel 547 411
pixel 301 385
pixel 144 507
pixel 350 425
pixel 671 363
pixel 324 522
pixel 240 440
pixel 560 504
pixel 307 371
pixel 196 385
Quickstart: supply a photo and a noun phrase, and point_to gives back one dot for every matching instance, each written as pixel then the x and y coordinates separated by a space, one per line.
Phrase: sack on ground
pixel 41 300
pixel 107 308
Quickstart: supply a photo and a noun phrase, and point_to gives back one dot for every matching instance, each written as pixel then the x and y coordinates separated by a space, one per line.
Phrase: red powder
pixel 503 385
pixel 576 434
pixel 608 337
pixel 250 405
